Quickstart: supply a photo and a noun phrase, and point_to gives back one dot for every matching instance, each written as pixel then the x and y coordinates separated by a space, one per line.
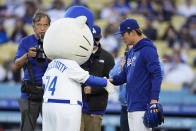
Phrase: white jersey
pixel 62 80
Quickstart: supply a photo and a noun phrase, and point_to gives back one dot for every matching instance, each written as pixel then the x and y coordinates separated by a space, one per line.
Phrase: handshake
pixel 110 88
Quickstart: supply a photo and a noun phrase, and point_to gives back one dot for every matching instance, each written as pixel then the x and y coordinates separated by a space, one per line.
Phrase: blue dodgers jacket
pixel 142 73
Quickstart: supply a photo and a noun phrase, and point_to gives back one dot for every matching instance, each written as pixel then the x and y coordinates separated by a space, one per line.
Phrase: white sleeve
pixel 76 73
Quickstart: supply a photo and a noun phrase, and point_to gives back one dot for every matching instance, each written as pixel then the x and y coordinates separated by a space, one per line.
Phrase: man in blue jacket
pixel 30 103
pixel 141 72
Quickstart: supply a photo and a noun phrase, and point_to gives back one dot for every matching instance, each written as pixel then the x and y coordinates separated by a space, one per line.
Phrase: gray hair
pixel 38 15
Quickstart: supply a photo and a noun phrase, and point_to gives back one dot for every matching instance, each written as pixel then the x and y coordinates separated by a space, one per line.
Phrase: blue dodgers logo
pixel 153 106
pixel 94 31
pixel 131 61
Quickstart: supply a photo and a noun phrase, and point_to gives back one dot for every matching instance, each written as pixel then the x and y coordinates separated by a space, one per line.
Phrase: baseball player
pixel 141 72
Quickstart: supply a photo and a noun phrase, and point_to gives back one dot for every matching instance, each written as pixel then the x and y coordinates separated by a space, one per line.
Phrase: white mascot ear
pixel 81 21
pixel 69 38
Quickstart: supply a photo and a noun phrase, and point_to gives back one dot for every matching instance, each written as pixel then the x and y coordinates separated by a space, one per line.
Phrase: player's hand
pixel 32 52
pixel 122 64
pixel 110 80
pixel 154 110
pixel 153 101
pixel 153 119
pixel 87 90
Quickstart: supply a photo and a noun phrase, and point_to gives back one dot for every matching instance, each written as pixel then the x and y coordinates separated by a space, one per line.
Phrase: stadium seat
pixel 101 23
pixel 47 3
pixel 2 2
pixel 162 48
pixel 161 27
pixel 29 29
pixel 100 3
pixel 8 51
pixel 9 30
pixel 67 3
pixel 169 86
pixel 96 6
pixel 179 2
pixel 133 4
pixel 140 18
pixel 178 21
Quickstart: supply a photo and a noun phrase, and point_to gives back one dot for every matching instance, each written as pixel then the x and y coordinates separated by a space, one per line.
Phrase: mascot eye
pixel 87 40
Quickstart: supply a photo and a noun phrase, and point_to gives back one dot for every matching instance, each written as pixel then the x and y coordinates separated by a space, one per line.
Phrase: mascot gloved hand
pixel 110 88
pixel 154 115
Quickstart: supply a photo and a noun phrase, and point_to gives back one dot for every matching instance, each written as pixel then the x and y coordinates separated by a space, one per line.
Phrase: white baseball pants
pixel 61 117
pixel 136 121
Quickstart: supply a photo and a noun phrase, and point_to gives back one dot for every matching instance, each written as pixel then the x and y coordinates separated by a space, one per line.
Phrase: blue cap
pixel 96 30
pixel 75 11
pixel 127 25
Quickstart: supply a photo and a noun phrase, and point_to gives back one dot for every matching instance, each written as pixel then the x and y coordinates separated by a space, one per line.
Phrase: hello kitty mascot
pixel 69 43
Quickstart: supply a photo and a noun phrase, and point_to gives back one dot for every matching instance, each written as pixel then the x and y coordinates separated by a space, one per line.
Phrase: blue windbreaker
pixel 122 91
pixel 142 73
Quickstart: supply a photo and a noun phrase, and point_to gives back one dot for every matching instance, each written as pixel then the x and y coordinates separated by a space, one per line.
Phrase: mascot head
pixel 69 38
pixel 75 11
